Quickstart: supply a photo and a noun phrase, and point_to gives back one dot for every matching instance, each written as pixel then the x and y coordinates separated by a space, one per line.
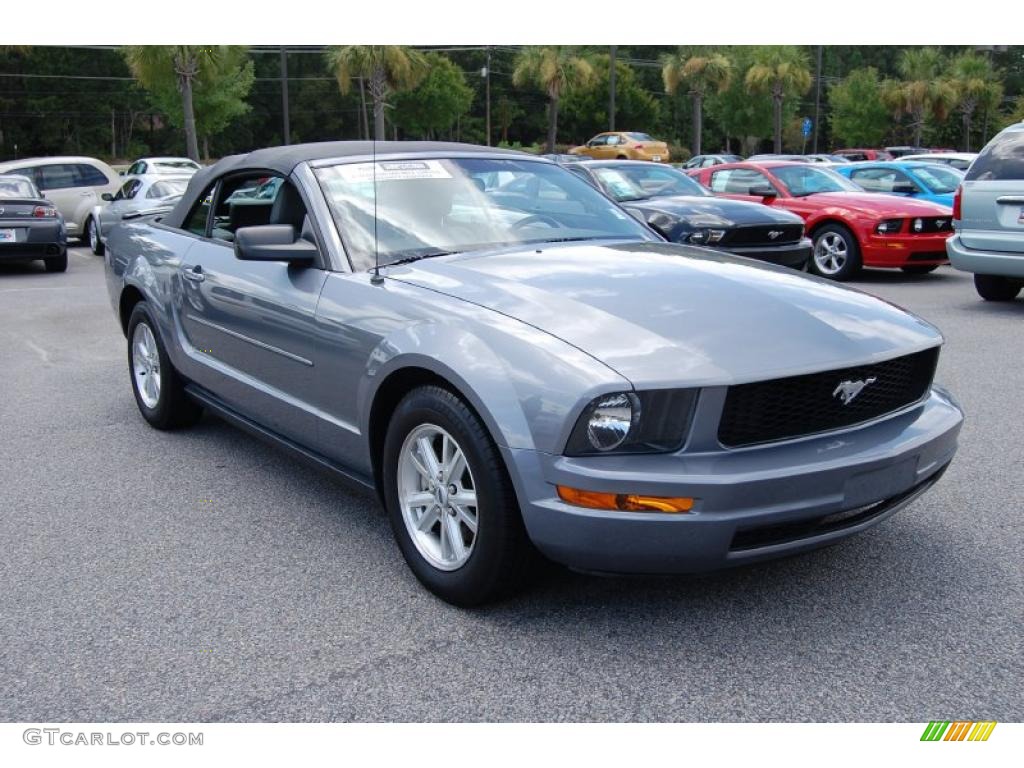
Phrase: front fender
pixel 527 385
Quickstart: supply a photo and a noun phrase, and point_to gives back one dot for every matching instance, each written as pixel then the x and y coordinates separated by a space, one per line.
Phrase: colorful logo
pixel 958 730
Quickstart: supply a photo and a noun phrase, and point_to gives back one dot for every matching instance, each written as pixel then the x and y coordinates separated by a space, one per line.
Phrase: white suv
pixel 988 216
pixel 75 185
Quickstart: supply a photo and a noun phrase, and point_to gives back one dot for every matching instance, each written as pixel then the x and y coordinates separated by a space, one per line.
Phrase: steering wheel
pixel 537 218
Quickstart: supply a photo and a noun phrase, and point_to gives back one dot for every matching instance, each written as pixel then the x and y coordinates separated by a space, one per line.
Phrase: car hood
pixel 667 315
pixel 876 203
pixel 718 210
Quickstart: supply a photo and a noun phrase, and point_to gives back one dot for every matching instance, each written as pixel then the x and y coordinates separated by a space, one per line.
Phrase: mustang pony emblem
pixel 773 234
pixel 848 390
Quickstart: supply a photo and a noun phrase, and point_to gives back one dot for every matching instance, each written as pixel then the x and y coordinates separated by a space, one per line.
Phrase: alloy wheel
pixel 146 365
pixel 830 253
pixel 438 497
pixel 94 237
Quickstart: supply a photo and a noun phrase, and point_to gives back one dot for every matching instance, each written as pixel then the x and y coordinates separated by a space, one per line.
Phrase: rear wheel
pixel 57 263
pixel 450 501
pixel 996 288
pixel 92 234
pixel 159 390
pixel 836 254
pixel 919 269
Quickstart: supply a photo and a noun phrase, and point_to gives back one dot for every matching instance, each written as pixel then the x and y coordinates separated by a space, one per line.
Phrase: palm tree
pixel 921 91
pixel 780 71
pixel 700 73
pixel 385 69
pixel 151 64
pixel 554 69
pixel 976 84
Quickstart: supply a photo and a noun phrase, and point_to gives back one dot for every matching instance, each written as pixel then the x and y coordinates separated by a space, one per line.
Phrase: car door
pixel 250 325
pixel 112 213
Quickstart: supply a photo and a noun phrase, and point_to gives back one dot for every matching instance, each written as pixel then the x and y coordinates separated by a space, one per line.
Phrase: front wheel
pixel 450 501
pixel 996 288
pixel 92 233
pixel 159 390
pixel 836 253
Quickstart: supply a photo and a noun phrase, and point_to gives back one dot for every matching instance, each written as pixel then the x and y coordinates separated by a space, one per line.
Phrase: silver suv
pixel 988 216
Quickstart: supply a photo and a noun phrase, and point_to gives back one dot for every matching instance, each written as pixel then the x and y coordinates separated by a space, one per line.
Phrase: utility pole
pixel 611 89
pixel 817 102
pixel 487 88
pixel 284 96
pixel 113 136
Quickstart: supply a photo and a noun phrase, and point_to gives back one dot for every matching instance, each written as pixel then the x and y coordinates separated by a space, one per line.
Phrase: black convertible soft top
pixel 282 160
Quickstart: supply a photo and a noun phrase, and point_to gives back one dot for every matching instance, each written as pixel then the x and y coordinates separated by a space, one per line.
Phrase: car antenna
pixel 376 279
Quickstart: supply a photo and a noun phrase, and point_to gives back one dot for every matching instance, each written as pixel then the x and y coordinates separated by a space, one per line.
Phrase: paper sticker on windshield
pixel 394 170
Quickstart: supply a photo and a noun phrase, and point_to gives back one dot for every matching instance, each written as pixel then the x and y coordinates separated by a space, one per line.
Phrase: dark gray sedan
pixel 520 368
pixel 31 227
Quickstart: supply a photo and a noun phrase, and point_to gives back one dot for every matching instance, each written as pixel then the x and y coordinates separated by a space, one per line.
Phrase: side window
pixel 614 140
pixel 134 169
pixel 737 181
pixel 131 189
pixel 598 141
pixel 1002 159
pixel 89 176
pixel 196 222
pixel 56 177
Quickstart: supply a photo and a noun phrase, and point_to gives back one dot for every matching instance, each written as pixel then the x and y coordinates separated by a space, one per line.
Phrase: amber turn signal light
pixel 624 502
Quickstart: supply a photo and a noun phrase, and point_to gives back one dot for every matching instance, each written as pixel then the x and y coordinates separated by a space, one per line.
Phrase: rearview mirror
pixel 273 242
pixel 106 196
pixel 764 190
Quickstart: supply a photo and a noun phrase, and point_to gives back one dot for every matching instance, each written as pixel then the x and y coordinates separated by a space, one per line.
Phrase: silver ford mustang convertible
pixel 520 367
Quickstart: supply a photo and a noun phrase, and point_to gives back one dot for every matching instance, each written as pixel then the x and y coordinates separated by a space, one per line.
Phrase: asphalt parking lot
pixel 203 576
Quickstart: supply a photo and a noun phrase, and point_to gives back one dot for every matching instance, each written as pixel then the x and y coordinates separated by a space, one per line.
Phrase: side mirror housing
pixel 273 242
pixel 765 191
pixel 106 196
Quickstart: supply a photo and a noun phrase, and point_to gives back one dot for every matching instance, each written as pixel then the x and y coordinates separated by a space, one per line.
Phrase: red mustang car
pixel 850 228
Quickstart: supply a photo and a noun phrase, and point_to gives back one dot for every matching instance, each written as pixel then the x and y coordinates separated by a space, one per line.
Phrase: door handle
pixel 195 274
pixel 1010 200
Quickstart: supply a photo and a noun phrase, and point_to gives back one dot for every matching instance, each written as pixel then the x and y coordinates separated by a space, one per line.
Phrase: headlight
pixel 889 226
pixel 656 421
pixel 702 236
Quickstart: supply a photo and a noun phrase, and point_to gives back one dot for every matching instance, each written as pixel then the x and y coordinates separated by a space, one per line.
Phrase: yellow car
pixel 623 145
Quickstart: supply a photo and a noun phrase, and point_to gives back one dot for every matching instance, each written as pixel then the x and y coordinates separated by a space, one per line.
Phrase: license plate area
pixel 8 235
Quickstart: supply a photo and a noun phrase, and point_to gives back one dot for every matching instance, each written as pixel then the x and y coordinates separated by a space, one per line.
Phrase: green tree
pixel 583 111
pixel 437 102
pixel 700 72
pixel 859 116
pixel 553 69
pixel 154 65
pixel 505 113
pixel 218 93
pixel 386 70
pixel 778 70
pixel 1016 114
pixel 920 92
pixel 976 85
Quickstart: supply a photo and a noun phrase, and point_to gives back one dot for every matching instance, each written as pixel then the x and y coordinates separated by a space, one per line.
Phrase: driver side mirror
pixel 106 196
pixel 765 191
pixel 904 188
pixel 273 242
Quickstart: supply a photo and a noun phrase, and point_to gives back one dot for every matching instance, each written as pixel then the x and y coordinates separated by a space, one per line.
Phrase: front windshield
pixel 639 181
pixel 423 207
pixel 16 187
pixel 939 179
pixel 803 180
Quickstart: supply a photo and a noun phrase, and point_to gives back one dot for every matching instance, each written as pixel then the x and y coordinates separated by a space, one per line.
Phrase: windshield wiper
pixel 418 256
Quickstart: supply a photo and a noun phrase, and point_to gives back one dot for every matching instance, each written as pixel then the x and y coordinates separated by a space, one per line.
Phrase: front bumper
pixel 984 262
pixel 793 255
pixel 904 250
pixel 751 504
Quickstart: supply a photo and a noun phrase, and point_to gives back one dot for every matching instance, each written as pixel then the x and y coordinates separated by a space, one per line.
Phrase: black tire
pixel 502 555
pixel 622 157
pixel 57 263
pixel 851 264
pixel 919 269
pixel 173 409
pixel 996 288
pixel 92 237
